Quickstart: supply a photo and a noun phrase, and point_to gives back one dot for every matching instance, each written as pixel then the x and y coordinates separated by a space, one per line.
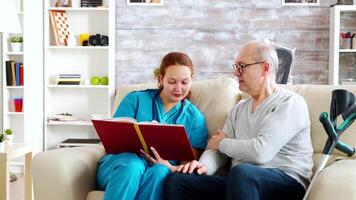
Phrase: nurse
pixel 132 176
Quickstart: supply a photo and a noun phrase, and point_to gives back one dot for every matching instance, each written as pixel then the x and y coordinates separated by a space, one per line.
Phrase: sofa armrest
pixel 67 173
pixel 337 181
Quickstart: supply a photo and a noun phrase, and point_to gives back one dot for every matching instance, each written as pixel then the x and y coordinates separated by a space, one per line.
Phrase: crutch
pixel 343 102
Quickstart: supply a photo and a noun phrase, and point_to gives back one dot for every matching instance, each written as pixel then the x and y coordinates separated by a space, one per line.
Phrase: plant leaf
pixel 8 131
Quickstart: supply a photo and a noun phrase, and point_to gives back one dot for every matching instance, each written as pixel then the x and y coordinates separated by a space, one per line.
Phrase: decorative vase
pixel 16 46
pixel 9 138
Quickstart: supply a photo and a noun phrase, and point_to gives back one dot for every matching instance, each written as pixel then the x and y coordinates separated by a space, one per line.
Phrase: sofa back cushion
pixel 214 98
pixel 318 98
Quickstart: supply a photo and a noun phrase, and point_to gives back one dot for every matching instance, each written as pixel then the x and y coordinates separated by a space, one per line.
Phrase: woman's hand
pixel 157 159
pixel 192 166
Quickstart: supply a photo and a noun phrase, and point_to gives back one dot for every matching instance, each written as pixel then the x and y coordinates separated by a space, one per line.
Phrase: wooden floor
pixel 17 190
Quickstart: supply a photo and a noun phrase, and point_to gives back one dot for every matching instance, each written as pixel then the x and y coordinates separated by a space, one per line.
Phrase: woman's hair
pixel 173 58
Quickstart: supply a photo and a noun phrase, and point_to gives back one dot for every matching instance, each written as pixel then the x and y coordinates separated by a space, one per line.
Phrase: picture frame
pixel 63 3
pixel 145 2
pixel 60 26
pixel 300 2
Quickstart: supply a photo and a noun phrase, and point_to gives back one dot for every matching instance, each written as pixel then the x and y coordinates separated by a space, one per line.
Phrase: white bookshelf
pixel 336 53
pixel 11 119
pixel 79 100
pixel 27 125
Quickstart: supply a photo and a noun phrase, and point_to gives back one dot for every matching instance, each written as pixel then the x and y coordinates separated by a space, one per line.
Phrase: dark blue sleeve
pixel 128 106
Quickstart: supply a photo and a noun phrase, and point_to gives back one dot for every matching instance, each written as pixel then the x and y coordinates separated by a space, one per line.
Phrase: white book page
pixel 123 119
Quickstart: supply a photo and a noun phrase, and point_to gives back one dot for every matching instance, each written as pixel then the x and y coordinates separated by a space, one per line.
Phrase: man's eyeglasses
pixel 240 67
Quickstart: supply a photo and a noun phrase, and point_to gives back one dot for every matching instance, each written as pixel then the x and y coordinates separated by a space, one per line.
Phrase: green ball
pixel 104 80
pixel 95 80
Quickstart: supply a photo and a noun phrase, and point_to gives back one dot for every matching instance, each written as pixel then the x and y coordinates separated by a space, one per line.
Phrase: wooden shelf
pixel 74 123
pixel 79 8
pixel 14 113
pixel 80 47
pixel 80 86
pixel 14 53
pixel 347 50
pixel 14 87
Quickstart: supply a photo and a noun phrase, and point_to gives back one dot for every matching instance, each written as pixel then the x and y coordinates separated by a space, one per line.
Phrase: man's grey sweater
pixel 275 135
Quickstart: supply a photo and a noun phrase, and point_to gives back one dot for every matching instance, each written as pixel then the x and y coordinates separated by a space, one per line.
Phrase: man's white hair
pixel 267 53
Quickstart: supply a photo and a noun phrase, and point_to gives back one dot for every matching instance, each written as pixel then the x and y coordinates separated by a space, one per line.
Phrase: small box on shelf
pixel 18 102
pixel 91 3
pixel 69 79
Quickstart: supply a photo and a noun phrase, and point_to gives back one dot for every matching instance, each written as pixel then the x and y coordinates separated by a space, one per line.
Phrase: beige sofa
pixel 70 173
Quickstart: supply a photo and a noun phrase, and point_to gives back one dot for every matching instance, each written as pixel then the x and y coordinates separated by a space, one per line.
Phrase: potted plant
pixel 16 43
pixel 5 135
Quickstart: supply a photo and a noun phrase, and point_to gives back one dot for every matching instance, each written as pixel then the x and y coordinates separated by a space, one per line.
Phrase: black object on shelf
pixel 91 3
pixel 98 40
pixel 13 177
pixel 77 142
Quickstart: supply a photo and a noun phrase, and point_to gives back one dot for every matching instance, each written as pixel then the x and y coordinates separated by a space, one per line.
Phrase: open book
pixel 126 135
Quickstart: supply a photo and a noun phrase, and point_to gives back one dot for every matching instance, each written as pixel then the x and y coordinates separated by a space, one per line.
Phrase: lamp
pixel 9 20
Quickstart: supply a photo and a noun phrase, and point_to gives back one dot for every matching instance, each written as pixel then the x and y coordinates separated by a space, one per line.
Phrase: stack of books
pixel 69 79
pixel 91 3
pixel 14 73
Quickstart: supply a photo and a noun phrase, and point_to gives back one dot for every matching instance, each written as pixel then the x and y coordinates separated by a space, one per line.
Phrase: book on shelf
pixel 127 135
pixel 91 3
pixel 17 73
pixel 69 75
pixel 69 79
pixel 76 142
pixel 14 73
pixel 65 118
pixel 8 73
pixel 68 82
pixel 21 74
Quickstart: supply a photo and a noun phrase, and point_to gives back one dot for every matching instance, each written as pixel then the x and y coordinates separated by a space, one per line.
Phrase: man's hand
pixel 215 140
pixel 157 159
pixel 192 166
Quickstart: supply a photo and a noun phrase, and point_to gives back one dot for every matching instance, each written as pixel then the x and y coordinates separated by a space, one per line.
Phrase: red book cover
pixel 21 74
pixel 170 141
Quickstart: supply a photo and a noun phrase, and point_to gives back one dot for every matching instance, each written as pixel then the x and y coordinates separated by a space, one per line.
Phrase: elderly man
pixel 267 138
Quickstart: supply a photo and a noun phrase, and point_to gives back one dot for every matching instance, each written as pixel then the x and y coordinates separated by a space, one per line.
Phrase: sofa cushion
pixel 336 181
pixel 318 98
pixel 214 98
